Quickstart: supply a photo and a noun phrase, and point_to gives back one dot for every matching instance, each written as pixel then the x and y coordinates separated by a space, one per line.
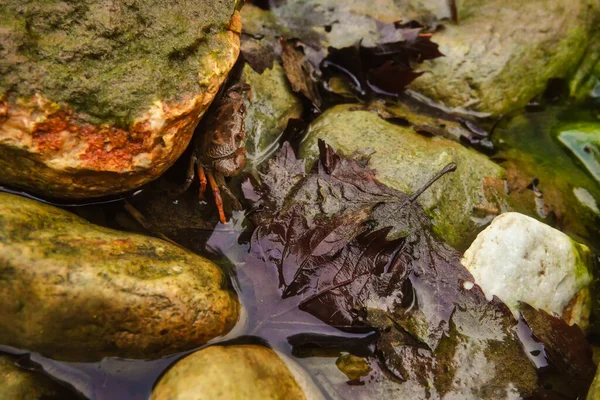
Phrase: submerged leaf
pixel 299 71
pixel 570 368
pixel 388 66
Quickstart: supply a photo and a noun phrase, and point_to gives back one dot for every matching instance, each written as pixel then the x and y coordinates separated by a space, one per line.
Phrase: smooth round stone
pixel 237 372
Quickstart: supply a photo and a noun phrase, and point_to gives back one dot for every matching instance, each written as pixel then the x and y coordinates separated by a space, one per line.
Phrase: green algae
pixel 528 145
pixel 109 60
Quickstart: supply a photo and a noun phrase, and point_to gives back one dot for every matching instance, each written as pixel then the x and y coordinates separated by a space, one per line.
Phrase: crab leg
pixel 235 203
pixel 202 179
pixel 189 177
pixel 217 194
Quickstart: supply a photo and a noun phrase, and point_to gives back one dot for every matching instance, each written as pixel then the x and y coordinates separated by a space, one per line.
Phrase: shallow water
pixel 530 141
pixel 527 139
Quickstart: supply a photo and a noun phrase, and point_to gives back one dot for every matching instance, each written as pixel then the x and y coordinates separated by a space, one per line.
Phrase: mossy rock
pixel 340 24
pixel 594 392
pixel 502 53
pixel 498 56
pixel 71 290
pixel 405 160
pixel 273 105
pixel 98 98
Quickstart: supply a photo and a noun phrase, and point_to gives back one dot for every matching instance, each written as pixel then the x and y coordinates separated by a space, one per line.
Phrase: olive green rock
pixel 352 366
pixel 74 291
pixel 240 372
pixel 405 160
pixel 502 53
pixel 273 105
pixel 17 384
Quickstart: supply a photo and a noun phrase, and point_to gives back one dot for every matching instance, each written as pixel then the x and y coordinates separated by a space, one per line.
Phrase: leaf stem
pixel 448 168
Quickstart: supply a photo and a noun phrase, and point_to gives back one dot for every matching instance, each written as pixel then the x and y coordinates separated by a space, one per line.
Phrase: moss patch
pixel 110 60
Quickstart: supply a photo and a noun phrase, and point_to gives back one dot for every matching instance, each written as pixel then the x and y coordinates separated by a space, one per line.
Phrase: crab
pixel 218 151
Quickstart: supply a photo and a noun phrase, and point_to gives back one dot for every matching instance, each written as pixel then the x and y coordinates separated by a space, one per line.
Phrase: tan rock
pixel 108 103
pixel 235 372
pixel 75 291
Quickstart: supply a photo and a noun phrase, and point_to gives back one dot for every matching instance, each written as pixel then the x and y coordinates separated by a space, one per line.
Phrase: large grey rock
pixel 341 24
pixel 502 53
pixel 498 57
pixel 74 291
pixel 240 372
pixel 100 97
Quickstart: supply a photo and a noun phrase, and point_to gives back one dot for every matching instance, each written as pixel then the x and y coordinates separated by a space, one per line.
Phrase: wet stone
pixel 352 366
pixel 17 383
pixel 78 292
pixel 502 54
pixel 235 372
pixel 405 160
pixel 273 105
pixel 594 392
pixel 99 98
pixel 520 259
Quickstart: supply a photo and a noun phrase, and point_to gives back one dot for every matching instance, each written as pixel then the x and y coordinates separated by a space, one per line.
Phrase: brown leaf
pixel 387 67
pixel 299 71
